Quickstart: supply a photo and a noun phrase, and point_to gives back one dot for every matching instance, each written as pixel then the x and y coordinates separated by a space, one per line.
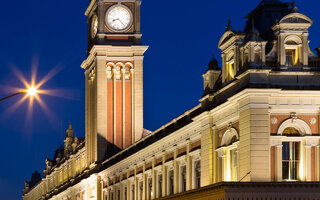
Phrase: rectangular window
pixel 132 192
pixel 197 174
pixel 234 164
pixel 230 71
pixel 289 57
pixel 111 195
pixel 118 194
pixel 159 185
pixel 140 190
pixel 292 57
pixel 183 176
pixel 149 189
pixel 290 160
pixel 170 180
pixel 125 193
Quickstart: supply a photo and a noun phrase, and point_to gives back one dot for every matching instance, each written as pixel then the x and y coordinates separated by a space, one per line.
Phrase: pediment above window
pixel 225 37
pixel 296 18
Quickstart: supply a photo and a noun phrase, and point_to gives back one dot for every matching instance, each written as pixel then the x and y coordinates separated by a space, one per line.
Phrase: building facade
pixel 254 134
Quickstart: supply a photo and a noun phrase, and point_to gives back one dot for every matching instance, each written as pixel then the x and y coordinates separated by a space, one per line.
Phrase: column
pixel 282 50
pixel 138 97
pixel 154 180
pixel 215 154
pixel 224 69
pixel 189 168
pixel 145 183
pixel 136 186
pixel 98 189
pixel 263 53
pixel 128 188
pixel 308 163
pixel 164 176
pixel 99 117
pixel 176 172
pixel 223 166
pixel 304 49
pixel 317 163
pixel 278 162
pixel 206 152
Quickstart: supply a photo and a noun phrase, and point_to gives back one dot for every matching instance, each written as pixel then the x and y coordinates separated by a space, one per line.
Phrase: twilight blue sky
pixel 182 36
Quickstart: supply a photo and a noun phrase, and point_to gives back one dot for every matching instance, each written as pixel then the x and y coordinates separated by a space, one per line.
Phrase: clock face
pixel 119 18
pixel 94 26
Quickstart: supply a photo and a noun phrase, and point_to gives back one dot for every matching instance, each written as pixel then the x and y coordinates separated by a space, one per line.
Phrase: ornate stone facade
pixel 254 134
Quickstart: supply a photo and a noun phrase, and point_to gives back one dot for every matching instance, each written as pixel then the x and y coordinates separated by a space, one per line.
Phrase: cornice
pixel 113 51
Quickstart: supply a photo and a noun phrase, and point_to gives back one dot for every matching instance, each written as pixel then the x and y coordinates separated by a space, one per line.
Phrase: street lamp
pixel 30 91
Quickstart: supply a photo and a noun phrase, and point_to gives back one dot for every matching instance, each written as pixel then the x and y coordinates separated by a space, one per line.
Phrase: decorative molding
pixel 274 120
pixel 313 120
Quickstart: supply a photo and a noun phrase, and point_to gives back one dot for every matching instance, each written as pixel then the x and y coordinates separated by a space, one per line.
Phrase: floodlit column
pixel 144 189
pixel 221 156
pixel 282 50
pixel 263 53
pixel 154 181
pixel 206 152
pixel 278 163
pixel 317 165
pixel 304 49
pixel 189 169
pixel 98 188
pixel 308 162
pixel 224 68
pixel 136 186
pixel 164 176
pixel 128 189
pixel 215 155
pixel 176 173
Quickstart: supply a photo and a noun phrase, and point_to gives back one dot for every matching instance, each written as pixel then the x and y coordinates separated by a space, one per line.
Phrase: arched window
pixel 294 127
pixel 170 182
pixel 291 131
pixel 183 176
pixel 197 174
pixel 229 137
pixel 292 48
pixel 230 66
pixel 229 146
pixel 291 148
pixel 159 186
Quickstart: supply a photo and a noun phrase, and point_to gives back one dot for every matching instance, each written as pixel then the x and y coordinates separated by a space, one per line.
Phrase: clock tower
pixel 113 77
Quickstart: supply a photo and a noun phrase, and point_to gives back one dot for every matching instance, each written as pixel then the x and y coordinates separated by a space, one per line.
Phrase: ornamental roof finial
pixel 229 27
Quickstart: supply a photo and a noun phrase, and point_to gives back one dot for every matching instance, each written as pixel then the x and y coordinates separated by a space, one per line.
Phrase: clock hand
pixel 121 22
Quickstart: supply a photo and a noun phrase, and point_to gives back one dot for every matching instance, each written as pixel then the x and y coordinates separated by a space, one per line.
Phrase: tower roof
pixel 265 15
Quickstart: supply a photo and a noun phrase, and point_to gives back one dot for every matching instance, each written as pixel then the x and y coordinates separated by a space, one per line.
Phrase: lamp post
pixel 31 91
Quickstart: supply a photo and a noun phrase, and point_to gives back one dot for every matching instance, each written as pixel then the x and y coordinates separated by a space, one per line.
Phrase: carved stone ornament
pixel 127 73
pixel 274 120
pixel 109 73
pixel 293 117
pixel 221 154
pixel 313 120
pixel 118 73
pixel 230 126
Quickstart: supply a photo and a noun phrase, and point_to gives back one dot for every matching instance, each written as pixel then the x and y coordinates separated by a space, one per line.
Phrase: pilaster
pixel 307 162
pixel 176 171
pixel 278 162
pixel 189 168
pixel 254 161
pixel 138 98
